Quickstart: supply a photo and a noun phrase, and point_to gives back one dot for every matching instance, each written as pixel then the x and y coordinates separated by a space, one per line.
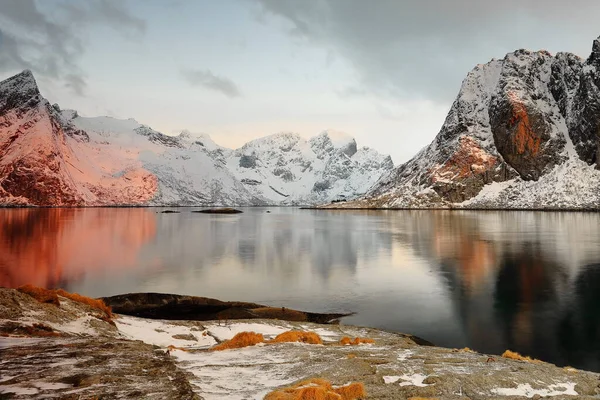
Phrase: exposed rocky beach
pixel 74 350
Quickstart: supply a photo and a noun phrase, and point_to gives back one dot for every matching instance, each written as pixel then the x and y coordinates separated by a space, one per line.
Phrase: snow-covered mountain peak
pixel 103 125
pixel 330 141
pixel 595 56
pixel 50 156
pixel 284 141
pixel 18 90
pixel 185 134
pixel 523 132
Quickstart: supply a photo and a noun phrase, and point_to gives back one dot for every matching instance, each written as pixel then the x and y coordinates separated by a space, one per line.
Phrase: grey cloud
pixel 424 48
pixel 51 43
pixel 207 79
pixel 108 12
pixel 76 83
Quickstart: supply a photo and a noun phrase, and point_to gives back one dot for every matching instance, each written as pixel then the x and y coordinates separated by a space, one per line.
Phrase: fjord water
pixel 525 281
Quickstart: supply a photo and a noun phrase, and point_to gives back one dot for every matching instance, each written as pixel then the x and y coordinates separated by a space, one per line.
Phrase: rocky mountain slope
pixel 58 158
pixel 524 132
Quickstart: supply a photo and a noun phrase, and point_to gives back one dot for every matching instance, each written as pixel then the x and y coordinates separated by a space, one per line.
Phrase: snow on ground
pixel 559 389
pixel 161 333
pixel 18 341
pixel 413 380
pixel 250 372
pixel 228 330
pixel 18 390
pixel 391 378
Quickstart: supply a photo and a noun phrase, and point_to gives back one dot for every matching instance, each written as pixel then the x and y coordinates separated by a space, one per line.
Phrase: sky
pixel 383 71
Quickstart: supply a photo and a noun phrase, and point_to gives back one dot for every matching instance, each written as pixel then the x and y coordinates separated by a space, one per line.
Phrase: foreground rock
pixel 129 360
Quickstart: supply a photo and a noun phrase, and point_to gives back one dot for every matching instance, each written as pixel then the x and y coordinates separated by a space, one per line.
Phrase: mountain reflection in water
pixel 525 281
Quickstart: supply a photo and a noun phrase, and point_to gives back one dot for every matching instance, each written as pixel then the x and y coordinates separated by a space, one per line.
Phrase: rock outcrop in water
pixel 194 308
pixel 50 157
pixel 524 132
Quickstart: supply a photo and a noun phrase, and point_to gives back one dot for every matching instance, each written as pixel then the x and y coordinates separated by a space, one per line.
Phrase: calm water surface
pixel 525 281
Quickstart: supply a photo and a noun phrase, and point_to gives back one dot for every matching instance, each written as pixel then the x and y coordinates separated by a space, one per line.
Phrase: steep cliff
pixel 524 132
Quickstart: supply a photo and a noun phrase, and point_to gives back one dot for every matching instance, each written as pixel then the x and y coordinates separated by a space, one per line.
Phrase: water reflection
pixel 56 247
pixel 488 280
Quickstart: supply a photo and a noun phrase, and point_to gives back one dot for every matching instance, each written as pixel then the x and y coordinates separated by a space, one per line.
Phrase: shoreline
pixel 73 351
pixel 318 208
pixel 569 210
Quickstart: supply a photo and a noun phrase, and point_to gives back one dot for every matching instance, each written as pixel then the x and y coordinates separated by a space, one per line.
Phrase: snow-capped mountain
pixel 289 169
pixel 54 157
pixel 524 132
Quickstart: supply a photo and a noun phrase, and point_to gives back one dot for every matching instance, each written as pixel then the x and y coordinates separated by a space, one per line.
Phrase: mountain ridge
pixel 54 157
pixel 523 133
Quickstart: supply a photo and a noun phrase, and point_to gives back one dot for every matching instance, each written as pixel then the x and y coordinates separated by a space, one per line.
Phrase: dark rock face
pixel 19 92
pixel 472 168
pixel 584 119
pixel 523 131
pixel 247 161
pixel 176 307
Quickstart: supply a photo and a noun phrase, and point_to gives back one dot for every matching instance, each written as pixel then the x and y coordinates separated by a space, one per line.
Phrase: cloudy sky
pixel 384 71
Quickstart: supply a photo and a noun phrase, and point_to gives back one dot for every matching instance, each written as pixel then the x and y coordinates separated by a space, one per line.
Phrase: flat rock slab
pixel 394 367
pixel 88 368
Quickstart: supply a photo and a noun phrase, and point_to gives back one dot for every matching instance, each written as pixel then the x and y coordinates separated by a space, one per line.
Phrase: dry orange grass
pixel 49 296
pixel 516 356
pixel 94 303
pixel 319 389
pixel 298 336
pixel 464 350
pixel 242 339
pixel 352 391
pixel 347 341
pixel 40 294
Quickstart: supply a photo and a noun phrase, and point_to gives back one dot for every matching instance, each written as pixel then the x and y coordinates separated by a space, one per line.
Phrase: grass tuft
pixel 49 296
pixel 42 295
pixel 242 339
pixel 94 303
pixel 319 389
pixel 352 391
pixel 516 356
pixel 298 336
pixel 346 341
